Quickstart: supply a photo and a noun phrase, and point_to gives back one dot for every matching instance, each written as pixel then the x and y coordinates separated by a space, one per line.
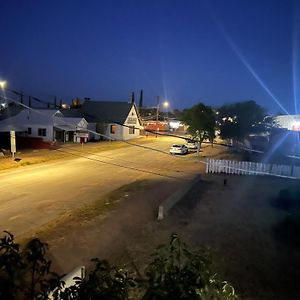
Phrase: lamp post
pixel 2 86
pixel 166 106
pixel 13 150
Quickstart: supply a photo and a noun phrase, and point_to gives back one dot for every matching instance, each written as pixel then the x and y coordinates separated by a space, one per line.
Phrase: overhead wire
pixel 115 164
pixel 89 130
pixel 130 143
pixel 119 165
pixel 128 161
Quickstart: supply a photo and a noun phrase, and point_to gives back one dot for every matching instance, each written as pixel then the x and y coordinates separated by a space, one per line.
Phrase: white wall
pixel 34 132
pixel 118 134
pixel 131 120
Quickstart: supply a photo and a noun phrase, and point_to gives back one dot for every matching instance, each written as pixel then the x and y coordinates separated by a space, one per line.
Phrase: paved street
pixel 34 195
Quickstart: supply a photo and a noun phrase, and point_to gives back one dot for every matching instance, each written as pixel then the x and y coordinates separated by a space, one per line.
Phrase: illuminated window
pixel 131 130
pixel 42 132
pixel 29 130
pixel 113 129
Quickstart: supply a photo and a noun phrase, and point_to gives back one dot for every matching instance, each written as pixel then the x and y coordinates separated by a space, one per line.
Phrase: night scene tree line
pixel 233 121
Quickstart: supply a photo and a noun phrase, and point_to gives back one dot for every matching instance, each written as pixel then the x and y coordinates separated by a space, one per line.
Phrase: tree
pixel 237 120
pixel 25 274
pixel 201 121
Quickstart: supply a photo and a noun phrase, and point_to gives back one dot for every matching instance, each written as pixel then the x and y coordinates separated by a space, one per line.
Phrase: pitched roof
pixel 102 111
pixel 10 111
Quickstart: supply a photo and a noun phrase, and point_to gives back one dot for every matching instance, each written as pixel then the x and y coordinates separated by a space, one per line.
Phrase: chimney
pixel 141 99
pixel 132 97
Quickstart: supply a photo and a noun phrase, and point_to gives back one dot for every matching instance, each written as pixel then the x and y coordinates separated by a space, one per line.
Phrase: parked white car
pixel 191 144
pixel 179 149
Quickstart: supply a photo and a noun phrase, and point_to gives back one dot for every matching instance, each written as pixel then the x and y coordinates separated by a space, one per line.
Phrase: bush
pixel 176 272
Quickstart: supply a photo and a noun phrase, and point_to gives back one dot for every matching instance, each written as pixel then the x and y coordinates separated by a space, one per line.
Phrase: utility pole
pixel 198 142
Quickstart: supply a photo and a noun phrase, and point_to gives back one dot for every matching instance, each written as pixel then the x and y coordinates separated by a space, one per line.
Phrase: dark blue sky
pixel 186 51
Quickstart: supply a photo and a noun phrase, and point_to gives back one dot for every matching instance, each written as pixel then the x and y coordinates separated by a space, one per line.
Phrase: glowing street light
pixel 166 105
pixel 13 149
pixel 2 84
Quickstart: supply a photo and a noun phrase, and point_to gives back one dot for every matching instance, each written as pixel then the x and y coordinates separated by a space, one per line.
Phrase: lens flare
pixel 276 146
pixel 295 62
pixel 244 61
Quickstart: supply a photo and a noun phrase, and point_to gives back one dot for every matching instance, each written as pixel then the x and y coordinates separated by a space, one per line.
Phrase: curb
pixel 172 200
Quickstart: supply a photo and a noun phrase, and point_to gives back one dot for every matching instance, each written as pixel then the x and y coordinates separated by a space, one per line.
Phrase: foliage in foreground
pixel 175 272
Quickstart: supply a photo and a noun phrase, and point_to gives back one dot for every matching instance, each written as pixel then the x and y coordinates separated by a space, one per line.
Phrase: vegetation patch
pixel 176 272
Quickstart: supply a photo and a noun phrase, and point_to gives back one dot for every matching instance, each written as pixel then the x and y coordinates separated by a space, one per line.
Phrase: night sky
pixel 186 51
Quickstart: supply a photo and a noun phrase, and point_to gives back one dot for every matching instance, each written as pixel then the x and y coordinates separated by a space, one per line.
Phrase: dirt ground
pixel 237 222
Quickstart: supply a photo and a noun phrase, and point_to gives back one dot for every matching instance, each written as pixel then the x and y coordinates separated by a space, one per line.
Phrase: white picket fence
pixel 251 168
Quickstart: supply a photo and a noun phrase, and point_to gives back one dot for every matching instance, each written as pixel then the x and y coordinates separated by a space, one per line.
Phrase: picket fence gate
pixel 251 168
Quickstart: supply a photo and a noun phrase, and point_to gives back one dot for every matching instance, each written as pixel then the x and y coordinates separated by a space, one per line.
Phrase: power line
pixel 91 131
pixel 32 97
pixel 115 164
pixel 128 161
pixel 119 165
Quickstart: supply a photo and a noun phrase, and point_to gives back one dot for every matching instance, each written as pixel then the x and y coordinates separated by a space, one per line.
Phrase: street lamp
pixel 3 84
pixel 12 132
pixel 166 105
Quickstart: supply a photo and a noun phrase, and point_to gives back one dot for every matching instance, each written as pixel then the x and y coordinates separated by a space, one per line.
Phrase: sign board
pixel 13 142
pixel 131 120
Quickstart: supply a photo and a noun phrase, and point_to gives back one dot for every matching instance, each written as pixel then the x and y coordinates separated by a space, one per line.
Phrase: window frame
pixel 113 129
pixel 131 130
pixel 42 131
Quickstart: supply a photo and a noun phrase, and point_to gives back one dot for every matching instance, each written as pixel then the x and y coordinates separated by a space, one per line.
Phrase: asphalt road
pixel 34 195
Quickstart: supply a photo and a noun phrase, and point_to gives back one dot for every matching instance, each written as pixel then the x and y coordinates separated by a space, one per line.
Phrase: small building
pixel 47 124
pixel 109 119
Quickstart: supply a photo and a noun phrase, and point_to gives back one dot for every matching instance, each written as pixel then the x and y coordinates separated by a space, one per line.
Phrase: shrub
pixel 176 272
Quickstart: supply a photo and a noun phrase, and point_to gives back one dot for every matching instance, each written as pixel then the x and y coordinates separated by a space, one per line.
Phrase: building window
pixel 29 130
pixel 113 129
pixel 42 132
pixel 131 130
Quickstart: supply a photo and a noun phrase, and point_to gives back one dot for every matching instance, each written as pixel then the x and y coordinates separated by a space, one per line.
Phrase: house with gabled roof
pixel 110 119
pixel 47 124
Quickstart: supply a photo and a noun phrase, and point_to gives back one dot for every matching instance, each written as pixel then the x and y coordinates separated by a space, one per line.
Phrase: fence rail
pixel 251 168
